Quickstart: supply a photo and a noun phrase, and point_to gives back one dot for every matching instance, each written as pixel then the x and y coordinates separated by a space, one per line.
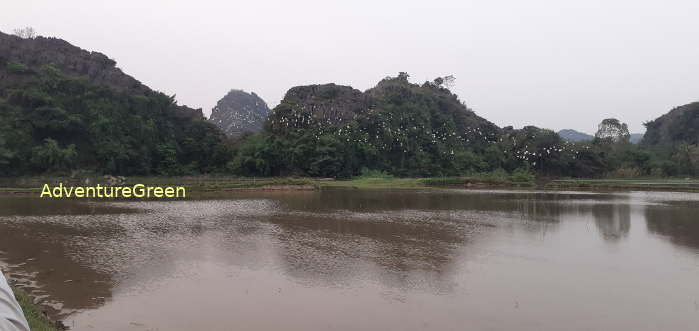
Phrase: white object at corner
pixel 11 316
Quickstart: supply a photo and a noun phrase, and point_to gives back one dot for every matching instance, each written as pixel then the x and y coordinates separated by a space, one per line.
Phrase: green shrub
pixel 497 175
pixel 51 157
pixel 444 181
pixel 522 175
pixel 370 173
pixel 626 173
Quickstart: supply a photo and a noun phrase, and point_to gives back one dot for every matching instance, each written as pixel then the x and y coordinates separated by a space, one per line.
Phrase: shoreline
pixel 37 310
pixel 661 185
pixel 38 313
pixel 196 185
pixel 35 313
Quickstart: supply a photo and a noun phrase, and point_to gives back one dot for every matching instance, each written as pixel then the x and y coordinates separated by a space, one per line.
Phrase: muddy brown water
pixel 362 260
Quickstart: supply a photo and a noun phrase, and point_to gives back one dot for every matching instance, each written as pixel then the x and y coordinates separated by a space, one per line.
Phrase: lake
pixel 348 259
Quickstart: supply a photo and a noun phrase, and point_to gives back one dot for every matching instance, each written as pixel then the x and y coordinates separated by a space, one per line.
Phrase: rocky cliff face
pixel 394 105
pixel 327 105
pixel 239 112
pixel 96 67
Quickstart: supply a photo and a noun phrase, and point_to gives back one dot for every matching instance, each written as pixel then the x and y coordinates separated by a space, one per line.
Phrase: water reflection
pixel 42 260
pixel 676 221
pixel 612 221
pixel 451 248
pixel 408 249
pixel 33 206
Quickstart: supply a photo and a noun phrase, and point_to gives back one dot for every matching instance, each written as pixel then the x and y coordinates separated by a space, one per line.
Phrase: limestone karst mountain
pixel 64 108
pixel 239 112
pixel 95 67
pixel 680 125
pixel 394 107
pixel 407 128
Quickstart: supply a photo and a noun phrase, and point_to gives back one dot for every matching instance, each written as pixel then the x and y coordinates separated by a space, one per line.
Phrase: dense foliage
pixel 406 129
pixel 673 141
pixel 51 122
pixel 64 109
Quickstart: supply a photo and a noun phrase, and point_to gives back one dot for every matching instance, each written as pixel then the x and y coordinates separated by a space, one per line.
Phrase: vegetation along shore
pixel 62 119
pixel 198 185
pixel 37 319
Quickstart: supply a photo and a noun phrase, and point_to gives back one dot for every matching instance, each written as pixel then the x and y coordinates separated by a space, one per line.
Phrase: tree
pixel 686 157
pixel 51 157
pixel 26 33
pixel 613 130
pixel 110 131
pixel 6 154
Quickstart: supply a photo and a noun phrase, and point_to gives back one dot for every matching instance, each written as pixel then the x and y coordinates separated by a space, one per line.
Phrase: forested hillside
pixel 674 137
pixel 680 125
pixel 406 129
pixel 63 108
pixel 397 127
pixel 403 128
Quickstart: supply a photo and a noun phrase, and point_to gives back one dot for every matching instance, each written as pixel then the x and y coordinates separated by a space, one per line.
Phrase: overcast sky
pixel 555 64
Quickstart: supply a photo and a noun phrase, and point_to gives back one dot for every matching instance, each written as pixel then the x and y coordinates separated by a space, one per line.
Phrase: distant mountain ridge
pixel 577 136
pixel 574 136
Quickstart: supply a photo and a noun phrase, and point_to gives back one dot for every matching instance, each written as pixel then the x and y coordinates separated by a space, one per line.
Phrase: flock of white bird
pixel 385 132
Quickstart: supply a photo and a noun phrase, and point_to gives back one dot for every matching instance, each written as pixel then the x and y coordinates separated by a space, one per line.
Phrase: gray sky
pixel 552 63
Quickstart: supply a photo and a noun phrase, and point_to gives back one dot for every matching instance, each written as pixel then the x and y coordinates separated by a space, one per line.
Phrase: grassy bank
pixel 37 320
pixel 194 184
pixel 376 182
pixel 519 180
pixel 472 181
pixel 33 185
pixel 655 184
pixel 204 183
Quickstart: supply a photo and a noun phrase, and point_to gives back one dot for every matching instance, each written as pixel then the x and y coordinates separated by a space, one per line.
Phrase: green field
pixel 33 185
pixel 454 182
pixel 192 183
pixel 660 184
